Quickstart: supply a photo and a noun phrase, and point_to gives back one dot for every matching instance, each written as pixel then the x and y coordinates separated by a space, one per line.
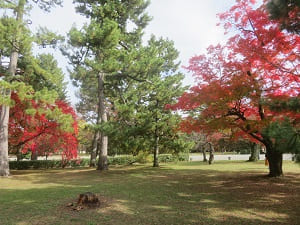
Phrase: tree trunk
pixel 156 151
pixel 19 153
pixel 93 158
pixel 34 155
pixel 211 153
pixel 4 162
pixel 96 140
pixel 4 120
pixel 156 146
pixel 204 154
pixel 255 149
pixel 19 156
pixel 275 162
pixel 103 161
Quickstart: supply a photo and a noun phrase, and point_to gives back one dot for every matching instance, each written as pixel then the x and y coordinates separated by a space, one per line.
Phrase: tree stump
pixel 88 199
pixel 85 200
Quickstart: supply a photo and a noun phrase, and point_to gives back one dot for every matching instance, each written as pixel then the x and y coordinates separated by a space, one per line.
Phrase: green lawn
pixel 184 193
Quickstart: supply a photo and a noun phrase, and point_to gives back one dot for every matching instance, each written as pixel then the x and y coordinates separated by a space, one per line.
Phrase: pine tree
pixel 104 51
pixel 142 120
pixel 16 40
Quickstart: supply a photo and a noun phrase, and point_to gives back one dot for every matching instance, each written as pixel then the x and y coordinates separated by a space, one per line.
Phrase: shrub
pixel 183 157
pixel 45 164
pixel 245 151
pixel 143 157
pixel 165 158
pixel 121 160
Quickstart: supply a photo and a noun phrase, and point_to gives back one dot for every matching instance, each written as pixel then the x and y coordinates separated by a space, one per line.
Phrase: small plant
pixel 143 157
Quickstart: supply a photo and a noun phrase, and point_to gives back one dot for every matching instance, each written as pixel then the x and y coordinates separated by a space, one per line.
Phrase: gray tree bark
pixel 96 140
pixel 211 153
pixel 201 148
pixel 34 155
pixel 103 160
pixel 94 149
pixel 156 137
pixel 275 162
pixel 204 154
pixel 255 149
pixel 4 162
pixel 156 150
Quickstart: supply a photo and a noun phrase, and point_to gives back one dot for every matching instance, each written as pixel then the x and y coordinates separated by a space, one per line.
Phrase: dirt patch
pixel 104 202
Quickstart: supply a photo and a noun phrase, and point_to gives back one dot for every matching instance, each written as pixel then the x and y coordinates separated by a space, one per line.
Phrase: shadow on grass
pixel 145 195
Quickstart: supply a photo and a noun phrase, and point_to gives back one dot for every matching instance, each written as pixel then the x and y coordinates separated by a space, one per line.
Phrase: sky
pixel 191 24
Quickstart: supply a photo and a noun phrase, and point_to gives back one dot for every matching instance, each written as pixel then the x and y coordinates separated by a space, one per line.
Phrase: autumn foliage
pixel 32 128
pixel 236 82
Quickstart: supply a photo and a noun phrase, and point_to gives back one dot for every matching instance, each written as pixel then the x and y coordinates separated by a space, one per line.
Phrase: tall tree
pixel 160 124
pixel 259 64
pixel 14 53
pixel 105 51
pixel 140 119
pixel 16 40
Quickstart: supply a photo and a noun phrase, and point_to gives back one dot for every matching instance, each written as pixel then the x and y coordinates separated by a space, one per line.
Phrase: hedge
pixel 46 164
pixel 165 158
pixel 116 160
pixel 121 160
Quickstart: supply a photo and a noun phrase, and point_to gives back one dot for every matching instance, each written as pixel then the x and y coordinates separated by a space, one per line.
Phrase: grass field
pixel 184 193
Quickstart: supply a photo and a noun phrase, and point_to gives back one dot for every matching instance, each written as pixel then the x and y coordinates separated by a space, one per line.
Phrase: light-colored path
pixel 235 157
pixel 193 157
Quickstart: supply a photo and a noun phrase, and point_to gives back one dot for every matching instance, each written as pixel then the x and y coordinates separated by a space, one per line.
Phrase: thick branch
pixel 253 135
pixel 124 45
pixel 137 79
pixel 31 138
pixel 261 111
pixel 235 112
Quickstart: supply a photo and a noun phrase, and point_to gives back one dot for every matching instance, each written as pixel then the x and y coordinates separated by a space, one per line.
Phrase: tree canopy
pixel 259 64
pixel 42 129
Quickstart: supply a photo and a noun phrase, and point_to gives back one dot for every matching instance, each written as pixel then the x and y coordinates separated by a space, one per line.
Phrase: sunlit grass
pixel 227 192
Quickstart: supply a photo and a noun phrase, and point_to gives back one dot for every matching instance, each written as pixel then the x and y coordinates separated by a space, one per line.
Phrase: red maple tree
pixel 236 82
pixel 37 133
